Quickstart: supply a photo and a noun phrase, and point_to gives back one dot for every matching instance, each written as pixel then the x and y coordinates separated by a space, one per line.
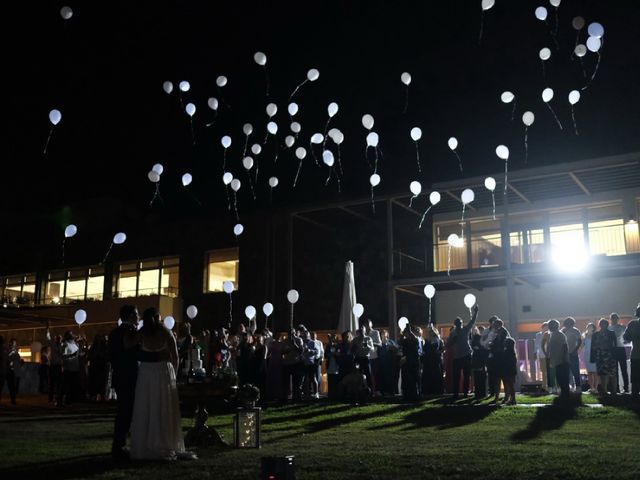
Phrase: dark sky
pixel 104 70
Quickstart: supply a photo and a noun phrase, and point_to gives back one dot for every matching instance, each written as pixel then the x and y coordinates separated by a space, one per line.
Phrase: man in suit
pixel 124 362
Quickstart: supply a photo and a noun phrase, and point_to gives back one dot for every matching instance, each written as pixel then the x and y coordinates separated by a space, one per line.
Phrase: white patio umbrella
pixel 348 320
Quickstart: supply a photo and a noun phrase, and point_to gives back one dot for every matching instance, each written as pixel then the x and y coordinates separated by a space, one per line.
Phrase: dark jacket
pixel 124 361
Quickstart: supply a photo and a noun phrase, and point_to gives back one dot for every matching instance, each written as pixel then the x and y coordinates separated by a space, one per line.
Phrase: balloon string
pixel 429 311
pixel 266 80
pixel 270 195
pixel 253 193
pixel 338 179
pixel 340 162
pixel 418 157
pixel 107 255
pixel 224 102
pixel 266 138
pixel 406 99
pixel 193 196
pixel 291 319
pixel 215 115
pixel 506 175
pixel 326 127
pixel 193 135
pixel 366 156
pixel 424 215
pixel 557 23
pixel 584 72
pixel 462 222
pixel 63 242
pixel 554 115
pixel 297 88
pixel 594 72
pixel 375 169
pixel 257 171
pixel 459 160
pixel 493 201
pixel 230 310
pixel 526 147
pixel 313 153
pixel 411 199
pixel 226 190
pixel 449 264
pixel 373 204
pixel 156 194
pixel 46 145
pixel 295 180
pixel 329 177
pixel 513 111
pixel 246 142
pixel 575 126
pixel 553 36
pixel 235 205
pixel 481 27
pixel 224 160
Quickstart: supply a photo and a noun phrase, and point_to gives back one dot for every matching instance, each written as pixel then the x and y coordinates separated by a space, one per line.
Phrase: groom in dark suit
pixel 124 362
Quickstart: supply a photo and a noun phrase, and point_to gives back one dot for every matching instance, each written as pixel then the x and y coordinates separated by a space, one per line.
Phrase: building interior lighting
pixel 570 257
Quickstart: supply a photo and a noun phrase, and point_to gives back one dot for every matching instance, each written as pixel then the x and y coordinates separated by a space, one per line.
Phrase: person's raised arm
pixel 172 346
pixel 474 316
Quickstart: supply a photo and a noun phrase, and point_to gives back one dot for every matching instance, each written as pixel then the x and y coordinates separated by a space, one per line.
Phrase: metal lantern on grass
pixel 246 427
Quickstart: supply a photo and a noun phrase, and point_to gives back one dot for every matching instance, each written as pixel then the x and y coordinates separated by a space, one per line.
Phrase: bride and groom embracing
pixel 144 364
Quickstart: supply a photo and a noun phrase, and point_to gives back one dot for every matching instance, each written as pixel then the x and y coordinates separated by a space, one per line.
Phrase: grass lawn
pixel 434 439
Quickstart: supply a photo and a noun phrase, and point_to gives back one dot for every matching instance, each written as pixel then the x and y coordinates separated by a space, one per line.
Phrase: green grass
pixel 333 441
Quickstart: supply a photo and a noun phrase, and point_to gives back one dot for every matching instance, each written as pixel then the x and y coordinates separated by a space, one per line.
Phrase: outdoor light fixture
pixel 246 428
pixel 570 257
pixel 277 468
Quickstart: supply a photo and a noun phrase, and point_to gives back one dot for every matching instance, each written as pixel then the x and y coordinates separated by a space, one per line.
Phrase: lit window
pixel 148 277
pixel 486 244
pixel 18 289
pixel 607 238
pixel 222 265
pixel 442 250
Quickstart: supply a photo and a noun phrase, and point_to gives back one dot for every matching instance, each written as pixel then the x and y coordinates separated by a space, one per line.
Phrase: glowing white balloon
pixel 327 158
pixel 367 121
pixel 594 44
pixel 574 97
pixel 192 311
pixel 158 168
pixel 313 74
pixel 267 309
pixel 247 163
pixel 339 137
pixel 226 141
pixel 187 179
pixel 317 138
pixel 169 322
pixel 469 300
pixel 434 198
pixel 332 109
pixel 70 231
pixel 453 143
pixel 119 238
pixel 273 182
pixel 507 97
pixel 374 180
pixel 247 129
pixel 528 119
pixel 55 116
pixel 487 4
pixel 227 286
pixel 301 153
pixel 429 291
pixel 190 108
pixel 272 109
pixel 260 58
pixel 293 296
pixel 467 196
pixel 235 184
pixel 184 86
pixel 358 310
pixel 80 316
pixel 153 176
pixel 289 140
pixel 238 229
pixel 547 95
pixel 541 13
pixel 416 134
pixel 212 102
pixel 545 54
pixel 292 108
pixel 554 3
pixel 250 312
pixel 453 240
pixel 403 322
pixel 372 139
pixel 227 178
pixel 502 152
pixel 66 13
pixel 256 149
pixel 415 188
pixel 272 128
pixel 580 50
pixel 167 87
pixel 490 183
pixel 405 78
pixel 595 29
pixel 295 127
pixel 221 81
pixel 578 23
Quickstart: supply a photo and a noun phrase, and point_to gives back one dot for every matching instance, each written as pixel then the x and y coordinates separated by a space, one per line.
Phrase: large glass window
pixel 18 289
pixel 68 286
pixel 486 244
pixel 442 252
pixel 148 277
pixel 221 265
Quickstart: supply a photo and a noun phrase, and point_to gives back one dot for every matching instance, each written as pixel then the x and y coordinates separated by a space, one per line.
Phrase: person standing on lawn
pixel 620 353
pixel 459 339
pixel 632 334
pixel 558 356
pixel 574 341
pixel 603 345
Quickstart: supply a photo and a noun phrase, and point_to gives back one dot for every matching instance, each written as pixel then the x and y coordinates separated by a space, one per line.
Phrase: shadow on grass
pixel 621 401
pixel 83 466
pixel 443 417
pixel 550 417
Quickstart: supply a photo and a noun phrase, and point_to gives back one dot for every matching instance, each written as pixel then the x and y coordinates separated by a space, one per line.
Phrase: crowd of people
pixel 472 360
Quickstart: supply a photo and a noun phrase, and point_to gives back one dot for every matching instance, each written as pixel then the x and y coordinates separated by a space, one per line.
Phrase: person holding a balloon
pixel 459 339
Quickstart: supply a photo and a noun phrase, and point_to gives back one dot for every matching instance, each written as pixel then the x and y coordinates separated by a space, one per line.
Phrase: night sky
pixel 104 69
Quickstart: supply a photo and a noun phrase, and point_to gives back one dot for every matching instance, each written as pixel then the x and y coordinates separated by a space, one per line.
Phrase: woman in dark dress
pixel 258 365
pixel 433 347
pixel 603 344
pixel 98 357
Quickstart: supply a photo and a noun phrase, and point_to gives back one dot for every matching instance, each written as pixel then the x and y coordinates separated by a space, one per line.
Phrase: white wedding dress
pixel 156 428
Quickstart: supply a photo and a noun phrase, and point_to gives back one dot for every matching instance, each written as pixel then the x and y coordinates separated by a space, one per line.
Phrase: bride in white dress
pixel 156 428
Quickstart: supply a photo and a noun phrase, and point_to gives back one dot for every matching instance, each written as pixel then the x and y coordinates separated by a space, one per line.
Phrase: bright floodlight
pixel 570 257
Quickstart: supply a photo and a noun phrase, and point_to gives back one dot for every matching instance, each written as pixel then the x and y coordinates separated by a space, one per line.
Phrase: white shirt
pixel 377 342
pixel 573 338
pixel 619 331
pixel 557 353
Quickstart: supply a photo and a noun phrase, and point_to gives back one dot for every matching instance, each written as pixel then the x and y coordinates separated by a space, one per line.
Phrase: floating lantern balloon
pixel 227 178
pixel 273 183
pixel 434 199
pixel 490 184
pixel 70 231
pixel 261 59
pixel 289 141
pixel 247 163
pixel 167 86
pixel 574 97
pixel 192 311
pixel 169 322
pixel 453 145
pixel 212 103
pixel 247 129
pixel 503 154
pixel 416 134
pixel 190 108
pixel 267 309
pixel 158 168
pixel 402 323
pixel 367 121
pixel 292 297
pixel 545 54
pixel 328 159
pixel 272 129
pixel 80 316
pixel 292 108
pixel 301 153
pixel 186 179
pixel 256 148
pixel 358 310
pixel 250 312
pixel 595 29
pixel 547 96
pixel 54 117
pixel 374 181
pixel 527 118
pixel 429 292
pixel 118 239
pixel 226 143
pixel 406 79
pixel 484 5
pixel 238 229
pixel 332 110
pixel 66 13
pixel 312 75
pixel 372 141
pixel 469 301
pixel 453 240
pixel 184 86
pixel 415 188
pixel 221 81
pixel 338 138
pixel 594 44
pixel 153 176
pixel 271 109
pixel 508 97
pixel 227 287
pixel 235 186
pixel 467 197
